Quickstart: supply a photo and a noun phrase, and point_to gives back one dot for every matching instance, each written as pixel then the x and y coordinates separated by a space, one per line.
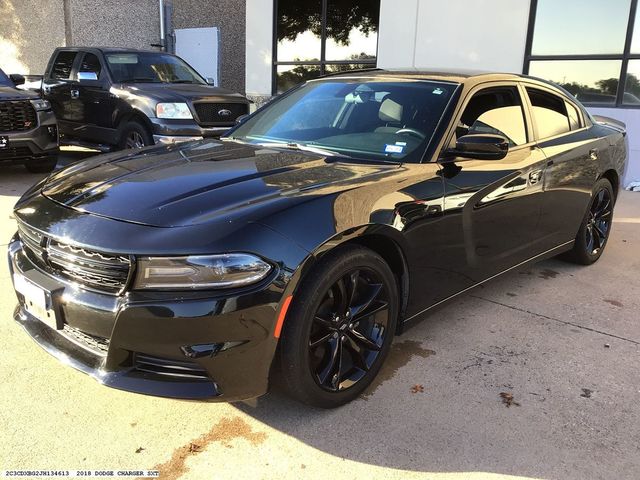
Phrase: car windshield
pixel 4 80
pixel 151 67
pixel 370 119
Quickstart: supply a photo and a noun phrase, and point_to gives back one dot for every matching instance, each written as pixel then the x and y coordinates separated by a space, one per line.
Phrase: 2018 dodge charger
pixel 318 229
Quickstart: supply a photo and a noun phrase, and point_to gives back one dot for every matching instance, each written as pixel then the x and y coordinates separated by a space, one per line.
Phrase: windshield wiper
pixel 301 147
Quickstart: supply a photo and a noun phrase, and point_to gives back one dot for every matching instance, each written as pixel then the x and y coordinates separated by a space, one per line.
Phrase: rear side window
pixel 550 113
pixel 574 116
pixel 90 63
pixel 63 65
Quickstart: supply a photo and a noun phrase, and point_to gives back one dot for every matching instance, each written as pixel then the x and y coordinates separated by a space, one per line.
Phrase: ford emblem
pixel 224 112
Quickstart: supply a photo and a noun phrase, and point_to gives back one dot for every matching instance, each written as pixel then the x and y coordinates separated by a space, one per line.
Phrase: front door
pixel 96 101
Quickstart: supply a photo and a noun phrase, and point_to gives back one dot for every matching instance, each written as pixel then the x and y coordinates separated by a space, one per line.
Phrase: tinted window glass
pixel 497 111
pixel 5 80
pixel 580 27
pixel 149 67
pixel 590 81
pixel 632 83
pixel 549 113
pixel 370 119
pixel 352 29
pixel 90 63
pixel 63 65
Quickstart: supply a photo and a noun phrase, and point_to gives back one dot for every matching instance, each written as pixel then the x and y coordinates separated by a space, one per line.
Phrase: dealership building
pixel 591 47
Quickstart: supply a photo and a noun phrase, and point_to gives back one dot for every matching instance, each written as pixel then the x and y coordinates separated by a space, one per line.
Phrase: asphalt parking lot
pixel 563 340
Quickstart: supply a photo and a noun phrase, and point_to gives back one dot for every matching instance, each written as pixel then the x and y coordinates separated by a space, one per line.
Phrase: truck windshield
pixel 4 80
pixel 151 67
pixel 363 118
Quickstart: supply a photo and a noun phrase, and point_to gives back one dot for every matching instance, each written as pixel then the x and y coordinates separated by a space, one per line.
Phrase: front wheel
pixel 596 226
pixel 339 328
pixel 135 135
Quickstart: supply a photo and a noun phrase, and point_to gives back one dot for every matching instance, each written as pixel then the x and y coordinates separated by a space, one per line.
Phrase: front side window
pixel 589 47
pixel 90 63
pixel 151 67
pixel 63 65
pixel 316 37
pixel 496 111
pixel 5 81
pixel 392 120
pixel 549 113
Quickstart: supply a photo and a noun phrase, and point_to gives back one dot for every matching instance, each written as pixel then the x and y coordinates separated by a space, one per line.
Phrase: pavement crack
pixel 564 322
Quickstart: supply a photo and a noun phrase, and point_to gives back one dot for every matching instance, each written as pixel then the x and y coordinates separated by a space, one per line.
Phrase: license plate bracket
pixel 40 297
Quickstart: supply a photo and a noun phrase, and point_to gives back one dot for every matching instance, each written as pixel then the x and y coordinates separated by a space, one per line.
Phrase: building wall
pixel 483 34
pixel 113 23
pixel 29 31
pixel 229 16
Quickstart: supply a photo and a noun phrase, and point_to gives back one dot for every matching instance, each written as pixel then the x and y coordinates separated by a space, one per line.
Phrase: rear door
pixel 57 88
pixel 572 148
pixel 492 208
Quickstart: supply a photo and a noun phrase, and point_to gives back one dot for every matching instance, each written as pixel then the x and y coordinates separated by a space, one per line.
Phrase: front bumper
pixel 183 345
pixel 164 129
pixel 37 143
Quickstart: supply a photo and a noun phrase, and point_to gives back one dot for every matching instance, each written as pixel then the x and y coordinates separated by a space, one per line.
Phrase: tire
pixel 41 165
pixel 135 135
pixel 595 228
pixel 358 342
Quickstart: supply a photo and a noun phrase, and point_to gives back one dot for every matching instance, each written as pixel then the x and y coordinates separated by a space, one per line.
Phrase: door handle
pixel 593 154
pixel 75 93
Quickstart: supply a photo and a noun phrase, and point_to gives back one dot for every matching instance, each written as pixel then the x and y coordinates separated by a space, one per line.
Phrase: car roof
pixel 110 50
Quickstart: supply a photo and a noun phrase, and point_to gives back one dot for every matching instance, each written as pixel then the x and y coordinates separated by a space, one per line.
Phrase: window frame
pixel 624 57
pixel 323 62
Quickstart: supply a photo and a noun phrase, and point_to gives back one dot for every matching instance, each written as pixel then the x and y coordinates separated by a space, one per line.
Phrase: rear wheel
pixel 596 226
pixel 135 135
pixel 41 165
pixel 339 328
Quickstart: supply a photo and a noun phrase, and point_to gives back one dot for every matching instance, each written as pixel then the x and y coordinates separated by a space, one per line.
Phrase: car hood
pixel 10 93
pixel 198 182
pixel 184 92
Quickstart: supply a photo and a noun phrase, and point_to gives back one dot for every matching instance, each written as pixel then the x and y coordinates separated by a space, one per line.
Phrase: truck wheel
pixel 41 165
pixel 135 135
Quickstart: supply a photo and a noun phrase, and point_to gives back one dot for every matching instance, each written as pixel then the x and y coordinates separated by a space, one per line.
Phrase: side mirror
pixel 481 146
pixel 211 81
pixel 17 79
pixel 87 76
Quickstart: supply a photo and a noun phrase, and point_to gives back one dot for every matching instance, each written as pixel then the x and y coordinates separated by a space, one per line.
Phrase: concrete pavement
pixel 563 340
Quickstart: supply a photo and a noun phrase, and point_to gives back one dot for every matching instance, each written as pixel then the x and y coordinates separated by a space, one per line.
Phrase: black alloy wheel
pixel 339 328
pixel 135 135
pixel 595 227
pixel 348 330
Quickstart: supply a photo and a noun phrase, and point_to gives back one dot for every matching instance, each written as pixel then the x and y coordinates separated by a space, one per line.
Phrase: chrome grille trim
pixel 102 272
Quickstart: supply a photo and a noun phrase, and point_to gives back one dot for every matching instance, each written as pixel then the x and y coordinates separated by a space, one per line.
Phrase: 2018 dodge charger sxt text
pixel 316 230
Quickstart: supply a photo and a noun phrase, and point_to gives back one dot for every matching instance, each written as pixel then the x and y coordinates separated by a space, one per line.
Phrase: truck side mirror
pixel 17 79
pixel 211 81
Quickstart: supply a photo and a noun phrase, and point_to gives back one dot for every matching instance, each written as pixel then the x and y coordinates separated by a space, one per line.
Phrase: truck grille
pixel 17 116
pixel 223 114
pixel 103 272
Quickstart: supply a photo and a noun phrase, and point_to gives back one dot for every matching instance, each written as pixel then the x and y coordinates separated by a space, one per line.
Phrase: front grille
pixel 97 345
pixel 167 367
pixel 9 153
pixel 210 114
pixel 17 116
pixel 95 270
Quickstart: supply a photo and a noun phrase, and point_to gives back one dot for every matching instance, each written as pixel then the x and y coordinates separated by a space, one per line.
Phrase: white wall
pixel 436 34
pixel 632 118
pixel 259 29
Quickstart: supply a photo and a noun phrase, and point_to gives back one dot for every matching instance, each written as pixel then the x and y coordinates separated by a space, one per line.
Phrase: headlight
pixel 200 271
pixel 41 105
pixel 173 110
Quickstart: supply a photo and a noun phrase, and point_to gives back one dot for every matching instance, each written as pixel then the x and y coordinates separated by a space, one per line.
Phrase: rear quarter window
pixel 549 113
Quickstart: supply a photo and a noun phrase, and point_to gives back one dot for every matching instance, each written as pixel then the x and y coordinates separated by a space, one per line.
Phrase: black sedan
pixel 320 227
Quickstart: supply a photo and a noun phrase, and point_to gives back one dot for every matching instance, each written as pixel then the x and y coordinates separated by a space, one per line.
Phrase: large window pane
pixel 580 27
pixel 299 30
pixel 632 84
pixel 591 81
pixel 291 75
pixel 635 41
pixel 352 29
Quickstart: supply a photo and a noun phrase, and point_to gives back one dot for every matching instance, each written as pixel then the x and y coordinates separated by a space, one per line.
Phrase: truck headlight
pixel 198 272
pixel 41 105
pixel 173 110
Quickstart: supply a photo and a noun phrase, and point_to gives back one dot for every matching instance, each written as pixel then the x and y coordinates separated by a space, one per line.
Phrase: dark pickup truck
pixel 28 130
pixel 122 98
